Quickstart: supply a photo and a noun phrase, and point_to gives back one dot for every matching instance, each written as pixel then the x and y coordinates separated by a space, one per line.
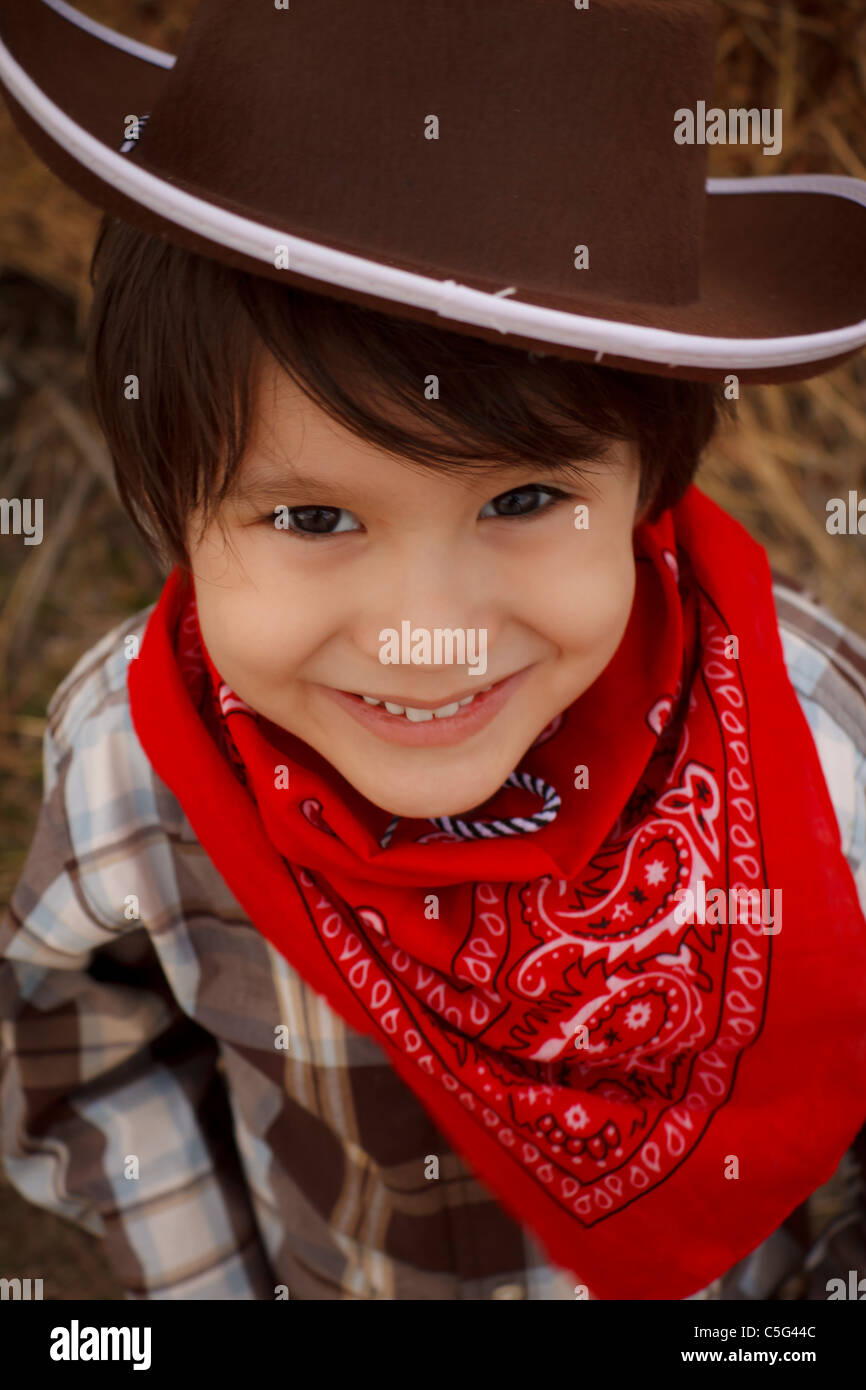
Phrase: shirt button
pixel 509 1291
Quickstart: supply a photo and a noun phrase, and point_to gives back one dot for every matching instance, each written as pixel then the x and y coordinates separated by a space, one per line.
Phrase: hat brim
pixel 783 271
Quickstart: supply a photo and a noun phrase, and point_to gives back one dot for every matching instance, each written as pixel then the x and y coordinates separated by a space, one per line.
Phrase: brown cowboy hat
pixel 529 173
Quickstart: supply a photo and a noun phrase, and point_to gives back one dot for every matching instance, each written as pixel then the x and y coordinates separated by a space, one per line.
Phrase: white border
pixel 445 297
pixel 101 31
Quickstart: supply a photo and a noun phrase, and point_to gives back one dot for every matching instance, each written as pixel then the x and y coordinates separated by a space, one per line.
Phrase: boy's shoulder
pixel 106 816
pixel 94 688
pixel 826 662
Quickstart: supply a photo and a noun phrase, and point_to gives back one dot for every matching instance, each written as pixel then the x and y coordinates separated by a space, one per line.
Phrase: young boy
pixel 537 977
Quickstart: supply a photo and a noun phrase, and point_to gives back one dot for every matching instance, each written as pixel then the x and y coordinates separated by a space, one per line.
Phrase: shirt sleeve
pixel 113 1111
pixel 826 663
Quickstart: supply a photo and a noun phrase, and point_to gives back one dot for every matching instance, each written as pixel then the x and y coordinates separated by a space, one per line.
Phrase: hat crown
pixel 415 130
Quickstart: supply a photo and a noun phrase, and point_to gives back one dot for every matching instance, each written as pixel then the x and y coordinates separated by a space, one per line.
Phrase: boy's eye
pixel 521 501
pixel 319 521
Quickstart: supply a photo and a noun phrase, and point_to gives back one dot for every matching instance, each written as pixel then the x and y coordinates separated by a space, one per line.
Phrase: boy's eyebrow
pixel 269 488
pixel 274 489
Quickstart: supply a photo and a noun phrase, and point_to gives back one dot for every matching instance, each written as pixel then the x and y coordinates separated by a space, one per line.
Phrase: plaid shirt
pixel 143 1098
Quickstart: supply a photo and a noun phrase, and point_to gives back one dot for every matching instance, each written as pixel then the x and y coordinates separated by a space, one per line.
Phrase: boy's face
pixel 296 625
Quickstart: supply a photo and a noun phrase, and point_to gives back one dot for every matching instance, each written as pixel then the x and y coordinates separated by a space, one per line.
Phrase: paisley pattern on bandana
pixel 535 978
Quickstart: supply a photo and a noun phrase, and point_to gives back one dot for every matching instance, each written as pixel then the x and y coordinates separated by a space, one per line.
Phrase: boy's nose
pixel 429 593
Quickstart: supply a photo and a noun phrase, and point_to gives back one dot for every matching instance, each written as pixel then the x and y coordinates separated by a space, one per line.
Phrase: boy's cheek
pixel 249 652
pixel 588 602
pixel 603 618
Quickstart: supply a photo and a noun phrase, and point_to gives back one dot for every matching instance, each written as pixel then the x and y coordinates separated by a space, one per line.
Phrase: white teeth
pixel 419 716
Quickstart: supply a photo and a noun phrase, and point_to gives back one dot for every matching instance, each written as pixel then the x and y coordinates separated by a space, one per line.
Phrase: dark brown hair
pixel 192 330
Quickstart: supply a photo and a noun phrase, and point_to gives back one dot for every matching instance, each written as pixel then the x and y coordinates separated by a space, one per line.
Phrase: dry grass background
pixel 795 446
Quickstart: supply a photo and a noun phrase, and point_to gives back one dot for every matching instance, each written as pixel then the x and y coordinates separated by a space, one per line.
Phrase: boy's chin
pixel 420 802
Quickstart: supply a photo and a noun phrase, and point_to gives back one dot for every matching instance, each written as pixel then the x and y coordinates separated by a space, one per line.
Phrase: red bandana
pixel 651 1096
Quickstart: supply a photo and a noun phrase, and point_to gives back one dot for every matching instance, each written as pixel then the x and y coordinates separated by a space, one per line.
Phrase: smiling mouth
pixel 420 713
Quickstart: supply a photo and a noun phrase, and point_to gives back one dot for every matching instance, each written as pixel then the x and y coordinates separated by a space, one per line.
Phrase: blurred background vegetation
pixel 794 447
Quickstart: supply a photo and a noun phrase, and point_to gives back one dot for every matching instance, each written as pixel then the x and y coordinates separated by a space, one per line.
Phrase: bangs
pixel 196 335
